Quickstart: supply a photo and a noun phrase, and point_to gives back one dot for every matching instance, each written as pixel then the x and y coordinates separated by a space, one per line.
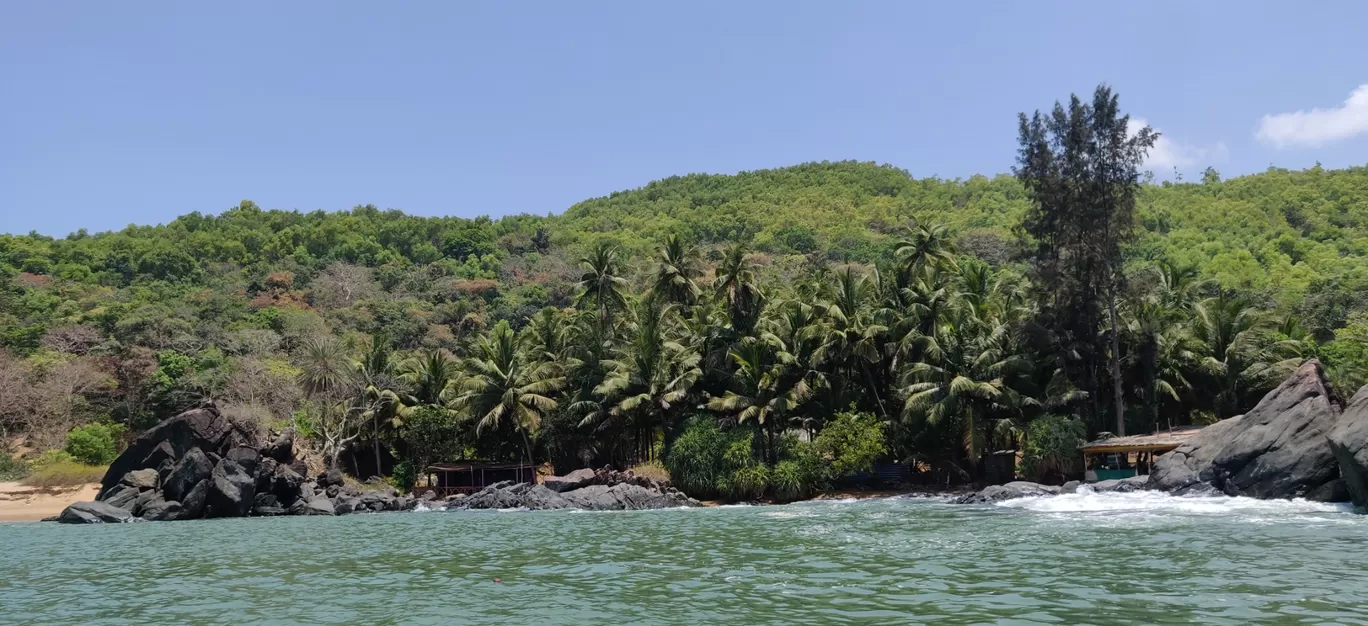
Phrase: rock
pixel 266 472
pixel 194 501
pixel 1120 485
pixel 606 495
pixel 93 513
pixel 1009 491
pixel 332 492
pixel 205 429
pixel 246 458
pixel 282 449
pixel 141 479
pixel 193 468
pixel 1349 443
pixel 312 506
pixel 159 510
pixel 428 496
pixel 1070 487
pixel 266 504
pixel 145 498
pixel 1277 450
pixel 122 496
pixel 331 478
pixel 231 490
pixel 573 480
pixel 287 485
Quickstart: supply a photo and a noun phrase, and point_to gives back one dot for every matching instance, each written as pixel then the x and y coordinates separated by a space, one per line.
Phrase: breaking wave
pixel 1085 500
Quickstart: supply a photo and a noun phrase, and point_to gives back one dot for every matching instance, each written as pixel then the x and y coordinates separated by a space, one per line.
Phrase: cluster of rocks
pixel 601 490
pixel 1300 441
pixel 199 464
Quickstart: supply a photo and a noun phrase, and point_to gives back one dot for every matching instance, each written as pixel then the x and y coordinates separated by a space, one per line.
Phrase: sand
pixel 21 503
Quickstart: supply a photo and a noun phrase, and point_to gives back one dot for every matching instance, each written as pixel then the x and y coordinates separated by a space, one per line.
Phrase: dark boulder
pixel 573 480
pixel 159 510
pixel 1349 443
pixel 122 496
pixel 93 513
pixel 193 468
pixel 314 506
pixel 231 490
pixel 1009 491
pixel 266 504
pixel 331 478
pixel 1120 485
pixel 1278 449
pixel 246 458
pixel 266 472
pixel 142 479
pixel 282 448
pixel 203 428
pixel 287 485
pixel 195 500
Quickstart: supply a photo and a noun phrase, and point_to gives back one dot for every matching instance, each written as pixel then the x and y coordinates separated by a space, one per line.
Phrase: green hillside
pixel 128 327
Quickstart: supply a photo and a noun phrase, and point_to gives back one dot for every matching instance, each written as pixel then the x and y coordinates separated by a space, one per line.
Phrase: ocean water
pixel 1073 559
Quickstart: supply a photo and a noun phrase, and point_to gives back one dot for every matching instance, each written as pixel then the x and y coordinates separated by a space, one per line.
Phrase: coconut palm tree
pixel 768 385
pixel 677 268
pixel 648 379
pixel 502 387
pixel 382 392
pixel 851 339
pixel 601 284
pixel 925 247
pixel 1237 351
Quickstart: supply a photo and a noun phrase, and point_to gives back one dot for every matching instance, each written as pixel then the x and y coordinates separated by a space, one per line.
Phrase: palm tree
pixel 851 340
pixel 735 284
pixel 966 384
pixel 382 391
pixel 768 385
pixel 327 375
pixel 1160 353
pixel 601 284
pixel 502 387
pixel 432 378
pixel 1238 352
pixel 677 267
pixel 926 247
pixel 649 379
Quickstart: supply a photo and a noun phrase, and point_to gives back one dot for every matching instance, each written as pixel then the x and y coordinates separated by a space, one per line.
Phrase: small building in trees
pixel 468 477
pixel 1124 457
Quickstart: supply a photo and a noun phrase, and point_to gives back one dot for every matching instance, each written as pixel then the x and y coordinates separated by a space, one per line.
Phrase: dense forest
pixel 755 333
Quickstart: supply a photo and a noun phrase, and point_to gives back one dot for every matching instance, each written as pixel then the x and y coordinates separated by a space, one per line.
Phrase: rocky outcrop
pixel 602 490
pixel 1349 443
pixel 1009 491
pixel 1278 449
pixel 94 513
pixel 199 464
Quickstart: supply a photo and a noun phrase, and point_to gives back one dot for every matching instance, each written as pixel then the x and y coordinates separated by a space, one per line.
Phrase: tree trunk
pixel 376 423
pixel 1115 360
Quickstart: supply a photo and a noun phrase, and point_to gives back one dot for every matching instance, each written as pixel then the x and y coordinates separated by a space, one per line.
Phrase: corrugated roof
pixel 1166 440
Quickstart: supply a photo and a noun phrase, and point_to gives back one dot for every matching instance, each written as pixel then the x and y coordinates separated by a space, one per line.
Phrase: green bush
pixel 10 467
pixel 57 468
pixel 851 443
pixel 747 483
pixel 95 444
pixel 694 459
pixel 1052 448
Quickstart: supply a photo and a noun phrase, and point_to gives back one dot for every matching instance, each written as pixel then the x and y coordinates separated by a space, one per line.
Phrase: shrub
pixel 851 443
pixel 653 470
pixel 1052 447
pixel 12 468
pixel 747 483
pixel 56 468
pixel 694 459
pixel 94 444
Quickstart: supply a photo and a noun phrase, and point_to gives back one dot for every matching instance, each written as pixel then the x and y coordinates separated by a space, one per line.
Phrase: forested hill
pixel 1297 239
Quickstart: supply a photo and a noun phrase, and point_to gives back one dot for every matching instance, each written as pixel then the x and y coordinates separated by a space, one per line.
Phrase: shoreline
pixel 22 503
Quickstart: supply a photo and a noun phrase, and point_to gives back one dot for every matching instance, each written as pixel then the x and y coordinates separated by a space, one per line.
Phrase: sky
pixel 134 113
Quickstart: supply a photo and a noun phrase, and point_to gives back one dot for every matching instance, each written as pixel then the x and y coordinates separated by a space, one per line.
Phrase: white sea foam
pixel 1088 501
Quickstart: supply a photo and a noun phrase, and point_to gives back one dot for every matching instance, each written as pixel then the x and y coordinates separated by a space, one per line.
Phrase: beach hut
pixel 468 477
pixel 1123 457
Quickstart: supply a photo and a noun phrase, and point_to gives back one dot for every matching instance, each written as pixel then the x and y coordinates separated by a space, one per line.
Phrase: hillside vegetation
pixel 778 296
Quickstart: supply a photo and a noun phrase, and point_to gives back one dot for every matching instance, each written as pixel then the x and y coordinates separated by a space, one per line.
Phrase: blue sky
pixel 119 113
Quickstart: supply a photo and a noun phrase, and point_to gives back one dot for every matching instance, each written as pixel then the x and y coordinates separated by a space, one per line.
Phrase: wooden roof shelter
pixel 472 476
pixel 1160 442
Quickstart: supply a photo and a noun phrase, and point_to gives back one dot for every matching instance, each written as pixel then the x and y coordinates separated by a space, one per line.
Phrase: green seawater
pixel 1081 558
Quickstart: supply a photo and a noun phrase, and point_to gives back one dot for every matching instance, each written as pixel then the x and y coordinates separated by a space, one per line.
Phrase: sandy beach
pixel 21 503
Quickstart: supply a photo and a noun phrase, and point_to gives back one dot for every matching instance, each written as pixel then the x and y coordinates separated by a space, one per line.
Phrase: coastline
pixel 21 503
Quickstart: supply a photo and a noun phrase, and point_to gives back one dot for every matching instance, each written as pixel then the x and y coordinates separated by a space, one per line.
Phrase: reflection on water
pixel 1096 558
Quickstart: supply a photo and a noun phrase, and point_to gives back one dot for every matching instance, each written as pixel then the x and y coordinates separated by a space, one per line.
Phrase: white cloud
pixel 1317 126
pixel 1167 154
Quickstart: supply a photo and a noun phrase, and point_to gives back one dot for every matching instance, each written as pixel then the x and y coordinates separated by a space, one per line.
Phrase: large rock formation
pixel 1009 491
pixel 1349 443
pixel 1278 449
pixel 200 464
pixel 602 490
